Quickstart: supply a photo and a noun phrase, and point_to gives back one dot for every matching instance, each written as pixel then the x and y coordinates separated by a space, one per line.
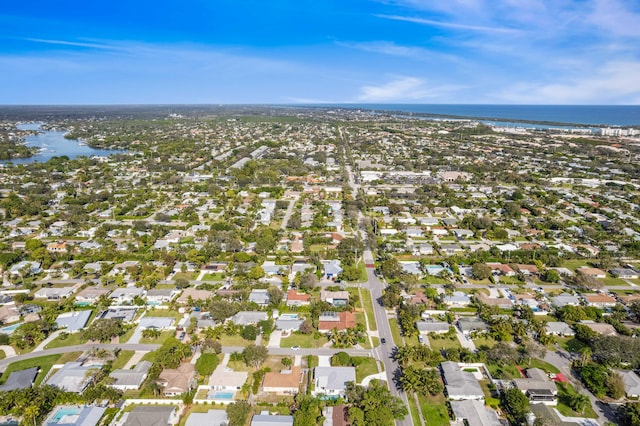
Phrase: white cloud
pixel 454 25
pixel 404 89
pixel 615 83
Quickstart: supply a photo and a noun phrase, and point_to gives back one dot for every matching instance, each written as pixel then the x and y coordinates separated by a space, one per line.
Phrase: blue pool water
pixel 221 395
pixel 10 328
pixel 289 316
pixel 65 411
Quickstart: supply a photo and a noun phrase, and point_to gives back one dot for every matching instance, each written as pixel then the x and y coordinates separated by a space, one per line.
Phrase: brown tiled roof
pixel 347 320
pixel 283 379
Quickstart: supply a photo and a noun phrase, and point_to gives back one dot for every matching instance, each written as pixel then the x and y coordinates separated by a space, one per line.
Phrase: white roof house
pixel 631 383
pixel 332 381
pixel 460 384
pixel 226 379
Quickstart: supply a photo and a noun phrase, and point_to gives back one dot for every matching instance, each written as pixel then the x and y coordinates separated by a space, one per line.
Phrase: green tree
pixel 480 271
pixel 516 403
pixel 238 412
pixel 255 355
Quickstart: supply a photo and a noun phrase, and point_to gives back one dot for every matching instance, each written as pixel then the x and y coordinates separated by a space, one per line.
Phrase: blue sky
pixel 311 51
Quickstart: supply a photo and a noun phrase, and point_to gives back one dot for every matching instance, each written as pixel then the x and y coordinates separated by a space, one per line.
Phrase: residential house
pixel 625 273
pixel 31 268
pixel 601 301
pixel 332 268
pixel 297 299
pixel 331 382
pixel 125 379
pixel 248 317
pixel 151 415
pixel 423 249
pixel 176 381
pixel 225 379
pixel 474 413
pixel 538 387
pixel 460 384
pixel 265 419
pixel 592 272
pixel 601 328
pixel 631 383
pixel 54 293
pixel 458 299
pixel 335 298
pixel 338 320
pixel 259 297
pixel 472 324
pixel 9 314
pixel 284 382
pixel 559 328
pixel 21 379
pixel 212 417
pixel 126 295
pixel 160 296
pixel 195 294
pixel 565 299
pixel 58 247
pixel 72 377
pixel 124 314
pixel 527 269
pixel 463 233
pixel 427 327
pixel 73 321
pixel 501 269
pixel 289 323
pixel 90 295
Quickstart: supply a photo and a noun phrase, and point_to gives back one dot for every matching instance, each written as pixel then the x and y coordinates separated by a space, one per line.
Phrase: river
pixel 53 144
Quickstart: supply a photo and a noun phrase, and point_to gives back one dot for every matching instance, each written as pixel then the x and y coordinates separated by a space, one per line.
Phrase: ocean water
pixel 588 115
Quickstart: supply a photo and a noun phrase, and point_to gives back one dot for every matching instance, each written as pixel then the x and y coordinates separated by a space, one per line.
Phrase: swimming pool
pixel 221 395
pixel 64 412
pixel 289 316
pixel 10 328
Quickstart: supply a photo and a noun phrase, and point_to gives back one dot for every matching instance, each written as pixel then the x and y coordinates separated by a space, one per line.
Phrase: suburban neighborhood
pixel 318 266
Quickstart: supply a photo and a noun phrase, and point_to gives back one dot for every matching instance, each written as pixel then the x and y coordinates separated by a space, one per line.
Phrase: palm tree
pixel 579 402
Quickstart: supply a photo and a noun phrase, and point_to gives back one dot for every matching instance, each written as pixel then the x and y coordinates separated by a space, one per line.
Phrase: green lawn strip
pixel 365 366
pixel 149 356
pixel 362 268
pixel 2 354
pixel 305 341
pixel 70 340
pixel 565 392
pixel 213 277
pixel 234 341
pixel 395 332
pixel 207 363
pixel 160 339
pixel 434 410
pixel 484 341
pixel 440 344
pixel 506 372
pixel 537 363
pixel 68 357
pixel 126 336
pixel 163 313
pixel 368 308
pixel 122 359
pixel 413 410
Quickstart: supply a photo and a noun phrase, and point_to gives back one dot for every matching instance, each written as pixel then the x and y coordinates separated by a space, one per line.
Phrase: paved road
pixel 288 214
pixel 384 352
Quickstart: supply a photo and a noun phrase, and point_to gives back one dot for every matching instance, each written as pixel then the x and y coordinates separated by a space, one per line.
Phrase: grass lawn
pixel 538 363
pixel 439 344
pixel 160 340
pixel 68 357
pixel 611 281
pixel 395 331
pixel 149 356
pixel 234 340
pixel 434 410
pixel 365 299
pixel 44 362
pixel 207 363
pixel 305 341
pixel 190 276
pixel 565 392
pixel 413 410
pixel 163 313
pixel 2 354
pixel 213 277
pixel 122 359
pixel 71 340
pixel 365 366
pixel 506 372
pixel 574 264
pixel 484 341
